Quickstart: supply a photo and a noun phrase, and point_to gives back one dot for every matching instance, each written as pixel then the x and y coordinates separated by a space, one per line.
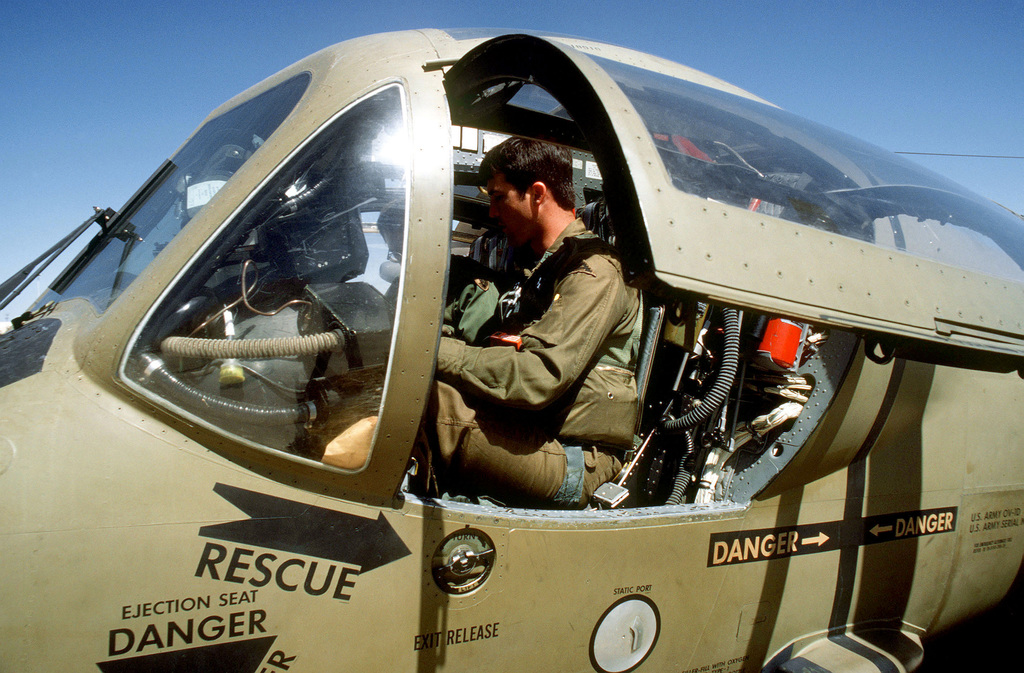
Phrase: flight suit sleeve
pixel 589 302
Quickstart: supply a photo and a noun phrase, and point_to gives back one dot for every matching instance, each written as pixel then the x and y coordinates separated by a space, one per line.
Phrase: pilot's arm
pixel 589 304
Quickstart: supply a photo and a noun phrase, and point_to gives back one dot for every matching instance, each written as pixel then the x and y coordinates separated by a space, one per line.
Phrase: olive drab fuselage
pixel 827 467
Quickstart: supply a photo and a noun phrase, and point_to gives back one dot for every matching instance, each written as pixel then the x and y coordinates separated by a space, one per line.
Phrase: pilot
pixel 539 414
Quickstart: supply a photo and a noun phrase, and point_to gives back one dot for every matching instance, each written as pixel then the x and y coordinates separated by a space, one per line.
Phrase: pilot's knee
pixel 351 449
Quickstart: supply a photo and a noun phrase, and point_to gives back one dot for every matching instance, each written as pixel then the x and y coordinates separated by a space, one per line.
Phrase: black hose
pixel 682 480
pixel 293 204
pixel 232 410
pixel 724 379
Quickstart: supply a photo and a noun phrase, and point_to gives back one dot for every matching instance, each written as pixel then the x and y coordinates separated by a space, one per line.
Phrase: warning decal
pixel 762 545
pixel 909 524
pixel 299 528
pixel 771 543
pixel 236 657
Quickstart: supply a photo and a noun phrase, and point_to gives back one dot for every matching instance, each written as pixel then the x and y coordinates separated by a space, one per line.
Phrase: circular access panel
pixel 626 633
pixel 463 561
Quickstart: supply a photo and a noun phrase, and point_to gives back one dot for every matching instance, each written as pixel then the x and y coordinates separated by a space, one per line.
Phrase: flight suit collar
pixel 575 228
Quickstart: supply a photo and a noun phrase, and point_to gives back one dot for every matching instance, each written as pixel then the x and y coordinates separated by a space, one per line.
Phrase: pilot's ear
pixel 540 191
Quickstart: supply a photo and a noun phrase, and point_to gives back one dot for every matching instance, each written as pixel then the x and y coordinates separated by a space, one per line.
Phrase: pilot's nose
pixel 492 211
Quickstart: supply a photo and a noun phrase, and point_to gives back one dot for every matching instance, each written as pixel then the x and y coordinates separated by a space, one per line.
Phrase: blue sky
pixel 97 94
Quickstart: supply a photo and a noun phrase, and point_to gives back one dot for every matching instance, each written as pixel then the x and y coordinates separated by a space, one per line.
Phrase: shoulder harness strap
pixel 531 297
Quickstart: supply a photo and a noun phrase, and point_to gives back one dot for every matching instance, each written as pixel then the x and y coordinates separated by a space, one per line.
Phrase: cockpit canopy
pixel 726 148
pixel 730 197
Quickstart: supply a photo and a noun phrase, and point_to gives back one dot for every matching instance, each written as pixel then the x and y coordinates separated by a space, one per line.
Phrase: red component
pixel 781 342
pixel 686 146
pixel 503 339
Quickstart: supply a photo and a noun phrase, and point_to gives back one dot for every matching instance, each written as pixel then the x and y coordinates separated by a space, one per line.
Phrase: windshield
pixel 177 192
pixel 747 154
pixel 279 331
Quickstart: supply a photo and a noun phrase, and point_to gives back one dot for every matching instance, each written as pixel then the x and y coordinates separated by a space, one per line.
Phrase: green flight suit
pixel 502 415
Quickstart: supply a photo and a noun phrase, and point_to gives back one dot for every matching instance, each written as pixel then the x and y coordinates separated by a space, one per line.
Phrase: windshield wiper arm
pixel 14 285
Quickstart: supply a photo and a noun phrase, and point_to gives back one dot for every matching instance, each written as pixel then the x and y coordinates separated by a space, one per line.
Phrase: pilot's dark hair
pixel 524 161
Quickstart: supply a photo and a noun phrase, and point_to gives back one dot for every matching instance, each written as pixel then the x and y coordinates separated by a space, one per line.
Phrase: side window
pixel 279 333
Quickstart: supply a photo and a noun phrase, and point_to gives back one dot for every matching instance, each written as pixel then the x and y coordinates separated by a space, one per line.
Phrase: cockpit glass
pixel 177 193
pixel 533 97
pixel 279 332
pixel 738 151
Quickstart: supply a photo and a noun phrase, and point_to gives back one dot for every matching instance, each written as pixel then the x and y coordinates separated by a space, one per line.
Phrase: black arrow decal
pixel 234 657
pixel 296 527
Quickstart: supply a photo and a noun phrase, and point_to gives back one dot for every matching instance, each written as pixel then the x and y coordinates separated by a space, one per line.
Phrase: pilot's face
pixel 515 211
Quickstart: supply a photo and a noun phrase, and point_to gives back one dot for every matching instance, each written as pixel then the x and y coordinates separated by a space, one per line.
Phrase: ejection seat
pixel 596 219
